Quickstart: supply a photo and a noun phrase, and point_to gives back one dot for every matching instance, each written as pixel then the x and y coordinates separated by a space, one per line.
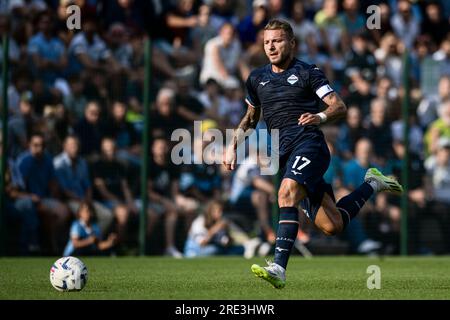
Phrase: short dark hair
pixel 90 207
pixel 35 134
pixel 72 136
pixel 277 24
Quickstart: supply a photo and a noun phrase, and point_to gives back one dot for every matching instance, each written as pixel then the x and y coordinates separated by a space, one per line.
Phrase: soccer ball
pixel 68 274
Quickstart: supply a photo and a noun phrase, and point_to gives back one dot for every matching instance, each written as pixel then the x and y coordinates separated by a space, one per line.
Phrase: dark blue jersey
pixel 284 96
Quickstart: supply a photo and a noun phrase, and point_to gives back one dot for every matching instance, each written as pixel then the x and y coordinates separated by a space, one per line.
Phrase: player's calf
pixel 328 218
pixel 334 218
pixel 329 229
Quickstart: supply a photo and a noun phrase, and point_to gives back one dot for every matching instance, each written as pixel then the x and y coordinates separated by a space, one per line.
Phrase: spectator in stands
pixel 126 12
pixel 111 187
pixel 405 24
pixel 47 52
pixel 20 127
pixel 223 12
pixel 165 120
pixel 36 177
pixel 250 191
pixel 385 89
pixel 204 30
pixel 13 50
pixel 88 52
pixel 438 185
pixel 276 9
pixel 20 84
pixel 217 106
pixel 255 56
pixel 420 56
pixel 415 135
pixel 353 173
pixel 76 100
pixel 209 234
pixel 438 128
pixel 21 210
pixel 385 23
pixel 427 111
pixel 55 127
pixel 163 189
pixel 388 56
pixel 221 58
pixel 332 32
pixel 314 55
pixel 201 180
pixel 89 130
pixel 304 30
pixel 73 176
pixel 122 53
pixel 361 72
pixel 333 175
pixel 355 169
pixel 124 134
pixel 180 19
pixel 350 132
pixel 85 235
pixel 416 184
pixel 442 57
pixel 235 95
pixel 379 131
pixel 250 25
pixel 354 22
pixel 187 106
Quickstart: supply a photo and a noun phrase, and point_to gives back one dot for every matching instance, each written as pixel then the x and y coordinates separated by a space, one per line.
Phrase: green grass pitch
pixel 231 278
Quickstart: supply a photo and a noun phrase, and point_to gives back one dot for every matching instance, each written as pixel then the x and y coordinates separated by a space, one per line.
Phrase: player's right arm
pixel 249 121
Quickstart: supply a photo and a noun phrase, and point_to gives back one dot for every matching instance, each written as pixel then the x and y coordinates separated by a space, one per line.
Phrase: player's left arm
pixel 336 109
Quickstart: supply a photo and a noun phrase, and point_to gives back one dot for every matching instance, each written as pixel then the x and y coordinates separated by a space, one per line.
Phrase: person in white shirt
pixel 221 60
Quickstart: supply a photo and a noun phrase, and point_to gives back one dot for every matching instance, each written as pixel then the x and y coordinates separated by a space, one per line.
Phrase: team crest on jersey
pixel 292 79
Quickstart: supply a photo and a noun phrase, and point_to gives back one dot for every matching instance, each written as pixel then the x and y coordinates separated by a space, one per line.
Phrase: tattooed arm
pixel 249 121
pixel 336 109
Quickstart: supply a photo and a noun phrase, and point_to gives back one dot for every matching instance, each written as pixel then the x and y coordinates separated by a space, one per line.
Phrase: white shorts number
pixel 306 161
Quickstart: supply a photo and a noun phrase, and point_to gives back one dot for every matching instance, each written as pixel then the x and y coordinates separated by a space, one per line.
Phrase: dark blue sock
pixel 350 205
pixel 286 235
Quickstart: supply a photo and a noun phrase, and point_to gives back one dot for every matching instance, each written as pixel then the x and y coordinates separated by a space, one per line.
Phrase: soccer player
pixel 288 92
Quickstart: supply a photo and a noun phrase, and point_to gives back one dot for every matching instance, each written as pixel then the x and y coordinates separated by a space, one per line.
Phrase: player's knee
pixel 285 198
pixel 288 196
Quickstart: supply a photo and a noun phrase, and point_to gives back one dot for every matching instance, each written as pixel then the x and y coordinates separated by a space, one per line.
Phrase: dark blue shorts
pixel 306 162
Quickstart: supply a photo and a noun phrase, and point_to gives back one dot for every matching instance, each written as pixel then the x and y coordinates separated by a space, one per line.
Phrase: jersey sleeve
pixel 252 97
pixel 75 231
pixel 319 82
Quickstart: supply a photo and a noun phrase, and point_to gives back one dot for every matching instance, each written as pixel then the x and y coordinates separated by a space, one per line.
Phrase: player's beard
pixel 284 60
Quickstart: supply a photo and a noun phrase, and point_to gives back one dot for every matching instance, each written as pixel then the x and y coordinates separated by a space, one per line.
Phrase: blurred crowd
pixel 74 143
